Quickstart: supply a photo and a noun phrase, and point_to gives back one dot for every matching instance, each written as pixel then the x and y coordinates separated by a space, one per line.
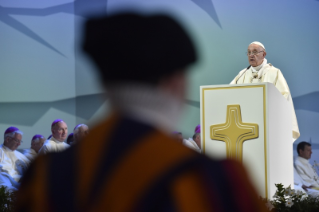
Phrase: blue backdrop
pixel 45 76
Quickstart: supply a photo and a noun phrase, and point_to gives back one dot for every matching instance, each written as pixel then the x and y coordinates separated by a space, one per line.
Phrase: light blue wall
pixel 45 76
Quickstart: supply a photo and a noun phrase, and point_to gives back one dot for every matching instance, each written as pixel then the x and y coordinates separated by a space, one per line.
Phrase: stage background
pixel 45 76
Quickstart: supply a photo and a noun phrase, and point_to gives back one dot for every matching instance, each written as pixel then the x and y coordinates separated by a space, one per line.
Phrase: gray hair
pixel 36 140
pixel 77 128
pixel 11 135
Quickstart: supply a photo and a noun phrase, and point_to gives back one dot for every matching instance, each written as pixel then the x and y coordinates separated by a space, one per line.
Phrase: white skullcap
pixel 259 44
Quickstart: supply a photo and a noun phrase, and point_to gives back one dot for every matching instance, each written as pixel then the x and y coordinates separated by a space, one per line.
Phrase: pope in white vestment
pixel 12 163
pixel 261 71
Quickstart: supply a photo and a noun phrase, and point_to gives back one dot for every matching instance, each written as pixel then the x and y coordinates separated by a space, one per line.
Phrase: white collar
pixel 55 140
pixel 147 104
pixel 303 160
pixel 6 148
pixel 33 151
pixel 257 68
pixel 193 142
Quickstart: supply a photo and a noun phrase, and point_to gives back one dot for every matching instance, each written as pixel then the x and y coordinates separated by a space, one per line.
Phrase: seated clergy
pixel 56 143
pixel 36 144
pixel 70 139
pixel 12 163
pixel 194 142
pixel 79 132
pixel 304 168
pixel 300 186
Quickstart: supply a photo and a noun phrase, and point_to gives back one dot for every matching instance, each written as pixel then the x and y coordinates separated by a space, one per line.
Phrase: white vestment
pixel 305 170
pixel 30 153
pixel 12 166
pixel 53 145
pixel 268 73
pixel 298 185
pixel 190 143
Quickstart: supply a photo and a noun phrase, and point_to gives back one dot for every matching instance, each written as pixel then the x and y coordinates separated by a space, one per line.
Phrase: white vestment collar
pixel 303 160
pixel 257 68
pixel 260 69
pixel 55 140
pixel 6 148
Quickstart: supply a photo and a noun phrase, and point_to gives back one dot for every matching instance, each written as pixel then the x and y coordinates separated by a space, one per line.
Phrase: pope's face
pixel 14 142
pixel 306 153
pixel 60 131
pixel 256 55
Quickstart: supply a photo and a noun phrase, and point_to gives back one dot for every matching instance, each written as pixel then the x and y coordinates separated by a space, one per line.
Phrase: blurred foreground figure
pixel 12 163
pixel 36 144
pixel 178 136
pixel 130 162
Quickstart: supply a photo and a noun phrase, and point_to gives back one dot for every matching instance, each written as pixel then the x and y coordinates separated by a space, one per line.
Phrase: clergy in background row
pixel 305 170
pixel 194 142
pixel 12 163
pixel 79 132
pixel 36 144
pixel 70 139
pixel 259 71
pixel 299 185
pixel 56 143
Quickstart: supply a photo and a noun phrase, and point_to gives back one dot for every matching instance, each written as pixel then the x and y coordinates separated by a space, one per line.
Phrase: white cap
pixel 259 44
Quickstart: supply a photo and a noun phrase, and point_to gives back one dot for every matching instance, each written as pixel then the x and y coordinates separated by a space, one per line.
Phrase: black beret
pixel 132 47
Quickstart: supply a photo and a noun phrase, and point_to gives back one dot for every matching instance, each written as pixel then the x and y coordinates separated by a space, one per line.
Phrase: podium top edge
pixel 237 85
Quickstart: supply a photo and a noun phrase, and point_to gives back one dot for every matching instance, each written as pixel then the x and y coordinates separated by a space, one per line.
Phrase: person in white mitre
pixel 56 143
pixel 193 143
pixel 305 170
pixel 261 71
pixel 36 144
pixel 12 163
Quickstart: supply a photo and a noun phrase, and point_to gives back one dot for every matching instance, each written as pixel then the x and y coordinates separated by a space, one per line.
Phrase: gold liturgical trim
pixel 234 132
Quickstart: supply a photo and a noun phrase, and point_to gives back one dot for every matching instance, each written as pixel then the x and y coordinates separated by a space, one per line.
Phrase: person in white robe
pixel 36 144
pixel 56 143
pixel 299 185
pixel 259 71
pixel 193 143
pixel 12 163
pixel 304 168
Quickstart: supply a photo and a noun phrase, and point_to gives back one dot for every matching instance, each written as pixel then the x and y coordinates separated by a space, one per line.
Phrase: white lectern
pixel 251 123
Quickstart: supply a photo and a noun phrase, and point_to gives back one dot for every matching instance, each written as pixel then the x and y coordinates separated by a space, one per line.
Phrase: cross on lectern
pixel 234 132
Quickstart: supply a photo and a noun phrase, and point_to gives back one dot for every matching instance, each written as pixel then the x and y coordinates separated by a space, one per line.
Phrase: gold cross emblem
pixel 234 132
